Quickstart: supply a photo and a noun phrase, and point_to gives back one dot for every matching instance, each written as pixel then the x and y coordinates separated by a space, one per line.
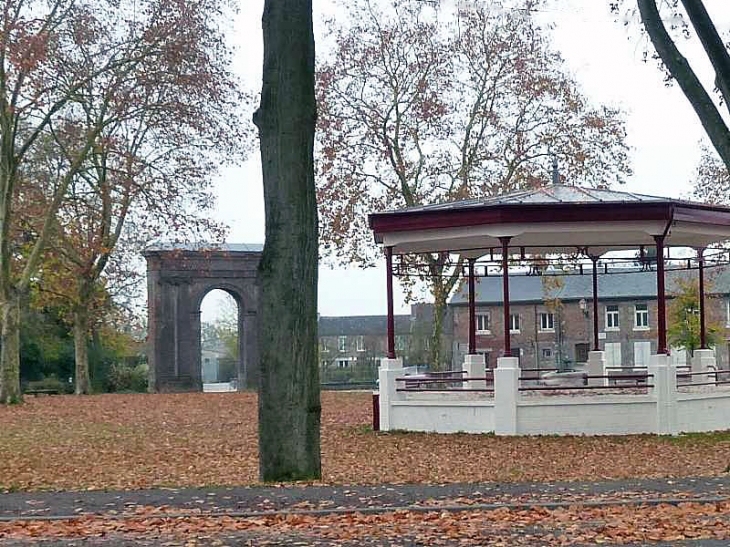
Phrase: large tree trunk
pixel 289 405
pixel 81 350
pixel 10 351
pixel 713 123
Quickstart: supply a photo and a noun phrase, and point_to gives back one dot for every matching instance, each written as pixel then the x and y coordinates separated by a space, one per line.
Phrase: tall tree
pixel 289 404
pixel 151 170
pixel 687 15
pixel 70 72
pixel 421 106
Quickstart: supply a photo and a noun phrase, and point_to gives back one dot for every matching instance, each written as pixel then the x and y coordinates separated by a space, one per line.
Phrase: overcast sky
pixel 604 56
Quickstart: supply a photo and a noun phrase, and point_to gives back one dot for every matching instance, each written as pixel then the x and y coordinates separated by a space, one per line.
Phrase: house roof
pixel 557 218
pixel 612 286
pixel 362 325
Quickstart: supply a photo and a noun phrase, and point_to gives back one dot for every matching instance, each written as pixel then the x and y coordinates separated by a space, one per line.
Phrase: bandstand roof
pixel 555 218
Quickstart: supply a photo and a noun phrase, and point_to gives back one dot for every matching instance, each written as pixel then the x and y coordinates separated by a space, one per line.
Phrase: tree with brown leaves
pixel 421 106
pixel 107 85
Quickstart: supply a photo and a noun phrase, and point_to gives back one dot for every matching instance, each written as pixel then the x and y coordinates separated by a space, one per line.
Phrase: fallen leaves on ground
pixel 565 526
pixel 196 439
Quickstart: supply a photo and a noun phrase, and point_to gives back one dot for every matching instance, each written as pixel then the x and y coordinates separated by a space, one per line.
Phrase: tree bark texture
pixel 435 357
pixel 714 46
pixel 688 81
pixel 10 351
pixel 289 403
pixel 81 351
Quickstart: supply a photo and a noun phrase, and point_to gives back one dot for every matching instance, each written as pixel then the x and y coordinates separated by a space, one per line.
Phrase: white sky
pixel 605 58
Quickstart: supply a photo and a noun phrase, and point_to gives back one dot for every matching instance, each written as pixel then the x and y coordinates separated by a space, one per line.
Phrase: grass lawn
pixel 196 439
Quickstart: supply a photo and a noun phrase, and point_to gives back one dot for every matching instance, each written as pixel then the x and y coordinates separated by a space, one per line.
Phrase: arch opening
pixel 220 340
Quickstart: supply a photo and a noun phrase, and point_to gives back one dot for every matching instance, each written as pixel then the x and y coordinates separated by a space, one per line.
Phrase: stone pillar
pixel 597 367
pixel 506 395
pixel 474 367
pixel 390 369
pixel 664 378
pixel 703 360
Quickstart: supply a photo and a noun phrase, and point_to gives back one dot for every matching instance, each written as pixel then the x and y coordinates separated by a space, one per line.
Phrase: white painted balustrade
pixel 507 410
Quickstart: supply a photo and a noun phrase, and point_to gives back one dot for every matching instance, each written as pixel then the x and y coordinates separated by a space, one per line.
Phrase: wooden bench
pixel 36 392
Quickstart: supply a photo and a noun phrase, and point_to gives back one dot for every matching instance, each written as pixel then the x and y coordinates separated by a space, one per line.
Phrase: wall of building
pixel 573 326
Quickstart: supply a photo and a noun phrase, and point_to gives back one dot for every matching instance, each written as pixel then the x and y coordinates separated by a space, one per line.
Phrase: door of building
pixel 581 353
pixel 642 353
pixel 613 354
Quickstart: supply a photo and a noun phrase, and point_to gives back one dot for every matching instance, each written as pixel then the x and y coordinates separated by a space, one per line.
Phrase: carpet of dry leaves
pixel 500 527
pixel 143 441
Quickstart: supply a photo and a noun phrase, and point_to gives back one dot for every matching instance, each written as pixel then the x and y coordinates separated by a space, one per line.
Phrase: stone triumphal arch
pixel 177 281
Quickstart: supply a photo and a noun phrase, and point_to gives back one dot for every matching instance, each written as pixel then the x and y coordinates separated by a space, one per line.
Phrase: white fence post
pixel 506 394
pixel 390 369
pixel 474 367
pixel 703 360
pixel 664 378
pixel 597 367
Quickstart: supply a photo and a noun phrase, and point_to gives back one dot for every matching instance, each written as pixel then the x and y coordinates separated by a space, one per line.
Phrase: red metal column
pixel 472 310
pixel 701 261
pixel 505 293
pixel 661 297
pixel 594 259
pixel 389 290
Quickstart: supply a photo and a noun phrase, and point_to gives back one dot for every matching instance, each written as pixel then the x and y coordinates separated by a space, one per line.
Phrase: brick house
pixel 360 341
pixel 554 325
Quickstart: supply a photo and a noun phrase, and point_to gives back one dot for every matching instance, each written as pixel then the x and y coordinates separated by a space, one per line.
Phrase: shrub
pixel 128 378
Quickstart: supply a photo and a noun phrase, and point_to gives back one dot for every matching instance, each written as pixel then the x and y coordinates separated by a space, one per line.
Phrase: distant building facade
pixel 355 345
pixel 551 318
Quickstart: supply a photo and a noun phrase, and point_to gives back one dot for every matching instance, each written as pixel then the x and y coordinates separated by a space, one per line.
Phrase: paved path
pixel 327 499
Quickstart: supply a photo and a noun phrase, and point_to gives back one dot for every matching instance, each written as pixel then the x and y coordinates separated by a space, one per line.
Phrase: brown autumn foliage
pixel 143 441
pixel 419 105
pixel 504 527
pixel 115 93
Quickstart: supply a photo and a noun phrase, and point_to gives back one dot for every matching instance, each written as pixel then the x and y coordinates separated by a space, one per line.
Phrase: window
pixel 323 345
pixel 612 317
pixel 483 323
pixel 547 353
pixel 727 312
pixel 400 343
pixel 342 343
pixel 514 323
pixel 641 314
pixel 343 363
pixel 547 321
pixel 360 343
pixel 581 352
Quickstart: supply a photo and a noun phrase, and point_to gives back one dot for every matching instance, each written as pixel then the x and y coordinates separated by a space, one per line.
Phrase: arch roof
pixel 555 218
pixel 205 247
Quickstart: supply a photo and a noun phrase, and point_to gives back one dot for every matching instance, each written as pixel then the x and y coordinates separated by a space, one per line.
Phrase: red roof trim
pixel 382 223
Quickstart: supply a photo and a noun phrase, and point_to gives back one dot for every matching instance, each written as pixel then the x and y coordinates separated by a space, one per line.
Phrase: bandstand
pixel 555 221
